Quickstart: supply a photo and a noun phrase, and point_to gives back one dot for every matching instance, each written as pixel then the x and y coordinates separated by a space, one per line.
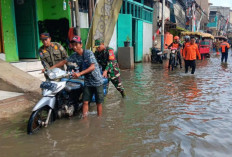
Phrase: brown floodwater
pixel 166 113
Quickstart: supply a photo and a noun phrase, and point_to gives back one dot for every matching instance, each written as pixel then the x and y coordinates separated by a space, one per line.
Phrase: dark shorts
pixel 97 91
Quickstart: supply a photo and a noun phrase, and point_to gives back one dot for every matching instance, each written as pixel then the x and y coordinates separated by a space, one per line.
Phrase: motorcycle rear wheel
pixel 37 119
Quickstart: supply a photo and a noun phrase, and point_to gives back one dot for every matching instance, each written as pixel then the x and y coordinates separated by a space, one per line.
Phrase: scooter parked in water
pixel 156 56
pixel 62 97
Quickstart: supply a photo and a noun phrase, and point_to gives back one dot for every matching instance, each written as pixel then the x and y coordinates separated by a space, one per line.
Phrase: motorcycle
pixel 156 56
pixel 172 60
pixel 62 97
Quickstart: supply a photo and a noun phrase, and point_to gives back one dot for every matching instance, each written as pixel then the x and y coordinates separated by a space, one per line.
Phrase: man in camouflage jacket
pixel 106 59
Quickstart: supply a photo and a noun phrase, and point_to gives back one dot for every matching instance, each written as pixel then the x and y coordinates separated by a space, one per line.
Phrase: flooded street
pixel 166 113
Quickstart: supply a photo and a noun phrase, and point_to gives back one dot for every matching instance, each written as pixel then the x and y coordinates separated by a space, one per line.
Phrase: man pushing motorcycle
pixel 176 44
pixel 89 67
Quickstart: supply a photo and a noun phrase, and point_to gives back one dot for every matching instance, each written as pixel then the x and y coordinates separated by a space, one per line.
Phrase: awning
pixel 181 29
pixel 203 35
pixel 207 35
pixel 220 37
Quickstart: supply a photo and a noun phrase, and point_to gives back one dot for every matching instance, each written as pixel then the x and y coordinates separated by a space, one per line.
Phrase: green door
pixel 138 40
pixel 25 27
pixel 124 29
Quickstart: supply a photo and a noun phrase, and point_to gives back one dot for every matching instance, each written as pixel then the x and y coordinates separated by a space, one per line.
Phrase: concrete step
pixel 31 66
pixel 11 106
pixel 28 65
pixel 2 56
pixel 7 94
pixel 37 74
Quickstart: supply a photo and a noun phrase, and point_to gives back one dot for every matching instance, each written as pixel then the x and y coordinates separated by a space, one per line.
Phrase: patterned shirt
pixel 94 78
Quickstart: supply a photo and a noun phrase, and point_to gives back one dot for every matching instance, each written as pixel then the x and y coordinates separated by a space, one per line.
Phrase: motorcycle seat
pixel 80 81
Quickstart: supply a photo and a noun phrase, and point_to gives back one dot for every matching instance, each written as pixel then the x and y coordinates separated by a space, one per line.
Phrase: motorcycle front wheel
pixel 172 63
pixel 38 119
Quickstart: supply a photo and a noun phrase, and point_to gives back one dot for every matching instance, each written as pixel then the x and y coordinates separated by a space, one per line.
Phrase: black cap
pixel 44 36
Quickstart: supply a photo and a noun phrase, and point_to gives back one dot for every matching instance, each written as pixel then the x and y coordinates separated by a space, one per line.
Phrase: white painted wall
pixel 84 20
pixel 180 15
pixel 113 41
pixel 166 12
pixel 147 37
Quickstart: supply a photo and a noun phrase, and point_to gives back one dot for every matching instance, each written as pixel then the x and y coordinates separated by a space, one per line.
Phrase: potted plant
pixel 127 42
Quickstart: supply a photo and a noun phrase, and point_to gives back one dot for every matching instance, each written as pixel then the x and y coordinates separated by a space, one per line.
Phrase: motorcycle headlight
pixel 173 51
pixel 52 75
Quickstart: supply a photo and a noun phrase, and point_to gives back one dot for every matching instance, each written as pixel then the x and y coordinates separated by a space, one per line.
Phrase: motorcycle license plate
pixel 48 85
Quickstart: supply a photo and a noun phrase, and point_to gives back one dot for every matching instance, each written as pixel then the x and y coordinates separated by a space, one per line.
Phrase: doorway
pixel 137 39
pixel 25 16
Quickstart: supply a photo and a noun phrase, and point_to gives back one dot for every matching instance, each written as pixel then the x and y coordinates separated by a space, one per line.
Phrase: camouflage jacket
pixel 105 58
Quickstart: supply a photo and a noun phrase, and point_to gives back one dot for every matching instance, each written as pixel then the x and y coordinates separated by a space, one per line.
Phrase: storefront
pixel 24 20
pixel 135 24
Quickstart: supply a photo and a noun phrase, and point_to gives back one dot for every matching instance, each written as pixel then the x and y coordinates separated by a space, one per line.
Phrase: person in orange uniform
pixel 190 54
pixel 224 49
pixel 187 42
pixel 176 44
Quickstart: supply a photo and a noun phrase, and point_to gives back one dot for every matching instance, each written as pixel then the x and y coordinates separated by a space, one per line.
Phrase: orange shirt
pixel 225 46
pixel 191 52
pixel 184 45
pixel 174 45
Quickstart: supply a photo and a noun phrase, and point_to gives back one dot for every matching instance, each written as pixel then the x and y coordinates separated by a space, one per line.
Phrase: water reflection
pixel 166 113
pixel 224 67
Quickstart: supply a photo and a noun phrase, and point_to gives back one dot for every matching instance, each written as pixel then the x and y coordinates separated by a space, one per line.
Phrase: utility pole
pixel 93 6
pixel 199 23
pixel 72 15
pixel 193 16
pixel 155 19
pixel 162 29
pixel 90 12
pixel 76 4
